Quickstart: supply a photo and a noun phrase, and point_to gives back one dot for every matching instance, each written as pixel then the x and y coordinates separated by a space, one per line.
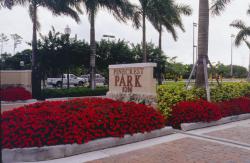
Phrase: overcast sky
pixel 17 21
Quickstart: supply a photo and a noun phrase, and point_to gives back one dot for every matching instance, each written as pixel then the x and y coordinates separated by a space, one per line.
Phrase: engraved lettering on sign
pixel 128 78
pixel 137 81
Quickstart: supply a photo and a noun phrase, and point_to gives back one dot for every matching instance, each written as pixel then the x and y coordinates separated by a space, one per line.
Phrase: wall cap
pixel 133 65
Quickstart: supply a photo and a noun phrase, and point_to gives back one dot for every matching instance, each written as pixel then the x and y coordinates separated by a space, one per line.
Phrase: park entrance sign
pixel 132 82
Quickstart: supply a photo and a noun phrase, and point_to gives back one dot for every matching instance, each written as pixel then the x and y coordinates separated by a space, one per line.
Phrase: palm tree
pixel 169 16
pixel 122 10
pixel 248 45
pixel 202 42
pixel 244 30
pixel 148 10
pixel 242 35
pixel 57 7
pixel 161 13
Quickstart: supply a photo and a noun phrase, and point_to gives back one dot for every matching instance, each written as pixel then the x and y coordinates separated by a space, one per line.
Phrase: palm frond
pixel 247 43
pixel 218 6
pixel 241 36
pixel 238 24
pixel 184 9
pixel 248 10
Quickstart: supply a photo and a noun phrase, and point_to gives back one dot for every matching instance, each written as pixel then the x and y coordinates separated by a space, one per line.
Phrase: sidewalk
pixel 228 143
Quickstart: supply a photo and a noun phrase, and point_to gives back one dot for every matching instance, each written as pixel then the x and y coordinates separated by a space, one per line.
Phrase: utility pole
pixel 67 31
pixel 194 46
pixel 232 42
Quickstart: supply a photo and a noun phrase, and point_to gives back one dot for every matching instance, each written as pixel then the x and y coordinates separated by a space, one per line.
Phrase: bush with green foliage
pixel 229 91
pixel 73 92
pixel 172 93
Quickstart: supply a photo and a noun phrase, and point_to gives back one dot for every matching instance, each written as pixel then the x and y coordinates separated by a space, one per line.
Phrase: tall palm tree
pixel 169 17
pixel 57 7
pixel 148 10
pixel 244 32
pixel 161 14
pixel 203 33
pixel 122 10
pixel 248 45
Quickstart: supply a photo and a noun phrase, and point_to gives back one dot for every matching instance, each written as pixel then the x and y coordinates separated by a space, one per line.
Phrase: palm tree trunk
pixel 93 50
pixel 160 37
pixel 144 46
pixel 202 41
pixel 36 82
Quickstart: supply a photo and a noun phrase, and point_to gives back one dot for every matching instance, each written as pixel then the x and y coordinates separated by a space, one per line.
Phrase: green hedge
pixel 171 94
pixel 73 92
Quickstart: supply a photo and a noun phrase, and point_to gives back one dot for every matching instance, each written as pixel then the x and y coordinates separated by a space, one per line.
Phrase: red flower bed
pixel 75 121
pixel 234 107
pixel 196 111
pixel 203 111
pixel 14 94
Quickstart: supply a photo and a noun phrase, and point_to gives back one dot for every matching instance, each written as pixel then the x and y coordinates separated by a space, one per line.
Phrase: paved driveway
pixel 222 144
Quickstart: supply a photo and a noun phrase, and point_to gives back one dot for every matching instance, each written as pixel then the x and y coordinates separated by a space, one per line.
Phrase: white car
pixel 73 80
pixel 98 77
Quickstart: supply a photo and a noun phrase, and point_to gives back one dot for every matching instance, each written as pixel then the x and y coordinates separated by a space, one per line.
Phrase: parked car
pixel 73 80
pixel 99 78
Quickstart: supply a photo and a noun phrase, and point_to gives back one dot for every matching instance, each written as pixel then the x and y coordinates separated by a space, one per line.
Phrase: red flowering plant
pixel 14 94
pixel 75 121
pixel 195 111
pixel 235 106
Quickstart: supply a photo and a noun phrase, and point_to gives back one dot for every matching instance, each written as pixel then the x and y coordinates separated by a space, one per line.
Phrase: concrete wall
pixel 16 78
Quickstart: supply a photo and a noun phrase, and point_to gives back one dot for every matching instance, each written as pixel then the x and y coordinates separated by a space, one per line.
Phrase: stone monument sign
pixel 132 82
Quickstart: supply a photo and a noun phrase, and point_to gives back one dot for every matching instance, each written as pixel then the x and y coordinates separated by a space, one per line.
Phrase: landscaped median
pixel 55 129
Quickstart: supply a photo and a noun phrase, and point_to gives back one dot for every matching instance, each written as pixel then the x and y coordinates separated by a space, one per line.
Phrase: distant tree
pixel 56 54
pixel 13 62
pixel 17 39
pixel 3 40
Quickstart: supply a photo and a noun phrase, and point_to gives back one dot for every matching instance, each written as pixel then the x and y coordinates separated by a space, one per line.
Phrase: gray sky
pixel 18 21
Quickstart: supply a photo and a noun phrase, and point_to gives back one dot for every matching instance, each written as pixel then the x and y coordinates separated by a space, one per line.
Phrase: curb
pixel 199 125
pixel 18 102
pixel 61 151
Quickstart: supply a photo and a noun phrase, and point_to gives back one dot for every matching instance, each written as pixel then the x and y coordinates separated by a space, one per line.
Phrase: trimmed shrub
pixel 170 94
pixel 15 94
pixel 229 91
pixel 203 111
pixel 197 111
pixel 76 121
pixel 234 107
pixel 73 92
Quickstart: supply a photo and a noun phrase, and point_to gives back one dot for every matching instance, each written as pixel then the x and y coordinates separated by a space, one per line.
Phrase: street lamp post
pixel 108 36
pixel 232 42
pixel 194 46
pixel 67 31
